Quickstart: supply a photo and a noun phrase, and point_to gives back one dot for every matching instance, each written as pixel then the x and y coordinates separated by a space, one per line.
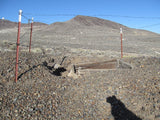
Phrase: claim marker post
pixel 121 42
pixel 18 43
pixel 31 35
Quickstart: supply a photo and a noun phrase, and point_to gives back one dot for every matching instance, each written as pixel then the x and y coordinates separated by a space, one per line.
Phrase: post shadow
pixel 56 72
pixel 30 69
pixel 119 111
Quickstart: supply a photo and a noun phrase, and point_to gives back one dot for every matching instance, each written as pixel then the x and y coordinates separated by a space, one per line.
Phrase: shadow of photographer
pixel 119 111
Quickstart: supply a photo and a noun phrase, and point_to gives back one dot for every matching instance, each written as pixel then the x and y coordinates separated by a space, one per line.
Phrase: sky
pixel 139 14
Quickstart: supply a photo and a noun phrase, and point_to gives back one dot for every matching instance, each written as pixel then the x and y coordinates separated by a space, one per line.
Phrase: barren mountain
pixel 87 33
pixel 9 24
pixel 98 34
pixel 94 21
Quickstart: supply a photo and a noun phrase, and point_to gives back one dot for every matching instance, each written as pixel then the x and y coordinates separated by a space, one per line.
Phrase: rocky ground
pixel 41 93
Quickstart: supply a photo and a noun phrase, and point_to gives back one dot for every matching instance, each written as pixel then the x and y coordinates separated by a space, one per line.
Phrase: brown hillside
pixel 94 21
pixel 9 24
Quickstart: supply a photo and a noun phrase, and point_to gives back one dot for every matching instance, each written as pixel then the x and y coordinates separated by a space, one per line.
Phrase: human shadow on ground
pixel 119 111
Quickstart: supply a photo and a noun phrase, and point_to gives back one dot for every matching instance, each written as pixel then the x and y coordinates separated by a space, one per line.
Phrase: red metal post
pixel 18 43
pixel 31 36
pixel 121 43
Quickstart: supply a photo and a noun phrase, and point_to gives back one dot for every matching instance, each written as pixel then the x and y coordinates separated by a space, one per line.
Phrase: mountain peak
pixel 94 21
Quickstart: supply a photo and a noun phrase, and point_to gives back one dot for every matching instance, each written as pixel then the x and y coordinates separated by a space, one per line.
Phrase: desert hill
pixel 78 22
pixel 92 25
pixel 94 21
pixel 9 24
pixel 95 33
pixel 85 32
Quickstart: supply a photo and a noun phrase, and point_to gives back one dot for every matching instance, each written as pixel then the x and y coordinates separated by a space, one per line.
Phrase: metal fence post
pixel 31 36
pixel 18 43
pixel 121 43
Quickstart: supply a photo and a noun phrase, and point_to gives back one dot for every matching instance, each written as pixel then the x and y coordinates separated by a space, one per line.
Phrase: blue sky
pixel 140 14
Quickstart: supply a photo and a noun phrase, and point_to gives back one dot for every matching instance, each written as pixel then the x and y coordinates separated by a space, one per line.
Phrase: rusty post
pixel 121 43
pixel 18 43
pixel 31 35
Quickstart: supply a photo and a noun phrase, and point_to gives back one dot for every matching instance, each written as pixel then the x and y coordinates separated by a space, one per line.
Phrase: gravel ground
pixel 41 94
